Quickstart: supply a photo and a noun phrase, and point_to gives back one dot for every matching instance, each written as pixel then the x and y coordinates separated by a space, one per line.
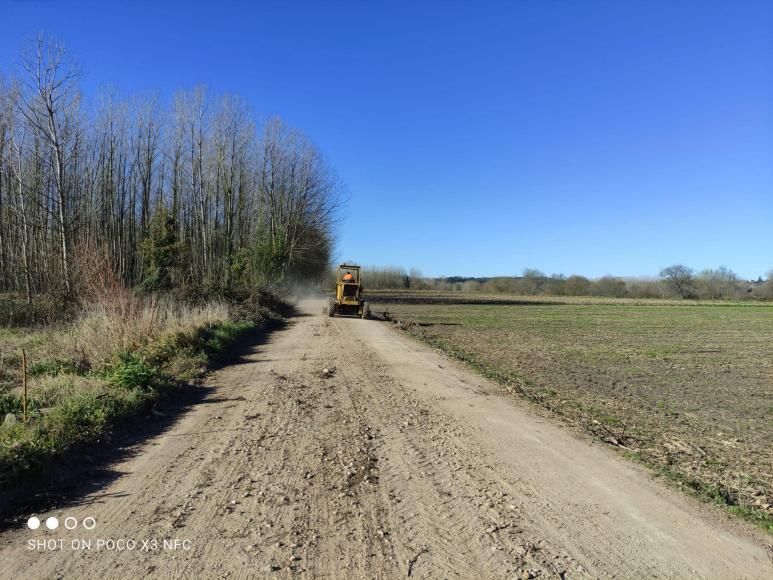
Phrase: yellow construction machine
pixel 348 298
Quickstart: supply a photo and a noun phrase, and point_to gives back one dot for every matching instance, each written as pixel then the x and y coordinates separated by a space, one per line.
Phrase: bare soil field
pixel 341 448
pixel 460 297
pixel 684 387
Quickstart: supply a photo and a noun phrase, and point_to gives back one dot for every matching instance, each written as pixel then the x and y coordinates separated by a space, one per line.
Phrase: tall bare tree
pixel 679 278
pixel 50 104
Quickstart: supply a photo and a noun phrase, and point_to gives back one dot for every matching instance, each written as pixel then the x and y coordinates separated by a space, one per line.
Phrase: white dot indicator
pixel 89 523
pixel 70 523
pixel 33 523
pixel 52 523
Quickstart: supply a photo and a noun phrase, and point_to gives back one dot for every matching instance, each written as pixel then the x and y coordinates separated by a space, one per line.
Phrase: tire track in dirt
pixel 448 518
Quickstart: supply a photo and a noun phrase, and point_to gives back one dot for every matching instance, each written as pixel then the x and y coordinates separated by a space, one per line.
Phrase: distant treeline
pixel 675 281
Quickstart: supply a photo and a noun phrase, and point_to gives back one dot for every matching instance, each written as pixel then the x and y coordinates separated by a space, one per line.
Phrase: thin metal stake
pixel 24 374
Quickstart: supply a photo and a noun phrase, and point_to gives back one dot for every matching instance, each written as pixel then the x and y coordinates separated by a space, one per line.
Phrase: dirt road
pixel 395 463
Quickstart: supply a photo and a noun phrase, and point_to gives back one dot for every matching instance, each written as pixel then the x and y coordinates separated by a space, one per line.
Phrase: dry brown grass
pixel 102 331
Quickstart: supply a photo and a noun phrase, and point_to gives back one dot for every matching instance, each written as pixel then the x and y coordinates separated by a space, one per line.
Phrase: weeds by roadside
pixel 109 365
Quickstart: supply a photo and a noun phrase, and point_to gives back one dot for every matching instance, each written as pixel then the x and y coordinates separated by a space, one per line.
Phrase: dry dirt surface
pixel 342 449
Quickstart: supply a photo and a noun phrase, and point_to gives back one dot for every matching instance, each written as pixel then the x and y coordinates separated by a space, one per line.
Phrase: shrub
pixel 220 338
pixel 20 451
pixel 43 310
pixel 133 373
pixel 76 419
pixel 9 403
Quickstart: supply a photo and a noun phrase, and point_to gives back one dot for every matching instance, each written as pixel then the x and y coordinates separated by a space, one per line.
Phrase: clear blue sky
pixel 479 138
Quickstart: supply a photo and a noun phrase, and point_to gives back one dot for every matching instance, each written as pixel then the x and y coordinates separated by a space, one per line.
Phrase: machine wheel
pixel 331 307
pixel 365 310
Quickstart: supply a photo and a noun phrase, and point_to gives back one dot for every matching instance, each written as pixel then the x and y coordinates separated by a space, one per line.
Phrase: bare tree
pixel 299 194
pixel 679 278
pixel 17 153
pixel 577 285
pixel 531 281
pixel 50 105
pixel 719 283
pixel 5 128
pixel 145 150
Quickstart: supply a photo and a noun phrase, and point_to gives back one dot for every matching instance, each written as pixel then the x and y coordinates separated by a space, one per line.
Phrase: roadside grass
pixel 87 378
pixel 684 388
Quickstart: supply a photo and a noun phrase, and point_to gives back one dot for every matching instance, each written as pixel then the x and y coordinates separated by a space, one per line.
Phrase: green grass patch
pixel 55 366
pixel 131 372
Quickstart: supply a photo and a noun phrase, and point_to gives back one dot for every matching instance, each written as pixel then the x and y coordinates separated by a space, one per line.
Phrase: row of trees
pixel 675 281
pixel 192 193
pixel 389 278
